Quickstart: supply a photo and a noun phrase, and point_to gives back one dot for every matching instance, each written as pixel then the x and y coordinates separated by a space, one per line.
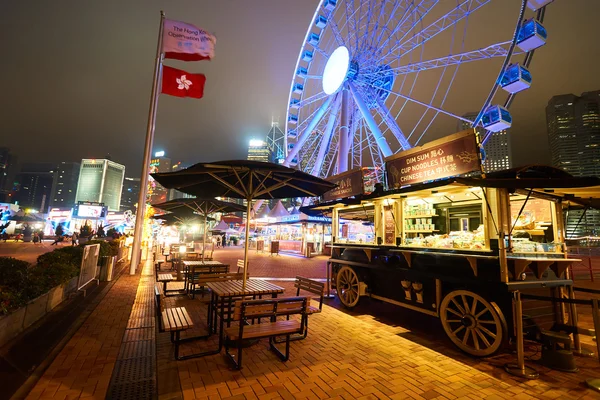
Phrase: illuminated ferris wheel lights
pixel 336 70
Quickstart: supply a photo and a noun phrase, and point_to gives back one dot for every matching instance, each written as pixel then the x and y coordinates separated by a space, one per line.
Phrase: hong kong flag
pixel 176 82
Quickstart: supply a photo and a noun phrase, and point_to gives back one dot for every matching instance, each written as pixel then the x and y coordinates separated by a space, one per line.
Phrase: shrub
pixel 105 248
pixel 13 272
pixel 66 255
pixel 85 231
pixel 43 277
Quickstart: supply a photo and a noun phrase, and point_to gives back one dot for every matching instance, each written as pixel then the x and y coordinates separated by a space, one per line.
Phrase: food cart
pixel 453 243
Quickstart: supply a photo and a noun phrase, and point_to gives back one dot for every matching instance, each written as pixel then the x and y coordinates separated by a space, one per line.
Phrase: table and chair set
pixel 238 315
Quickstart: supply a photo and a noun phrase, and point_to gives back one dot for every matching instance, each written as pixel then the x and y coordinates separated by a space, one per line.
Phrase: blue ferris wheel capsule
pixel 531 35
pixel 516 78
pixel 496 119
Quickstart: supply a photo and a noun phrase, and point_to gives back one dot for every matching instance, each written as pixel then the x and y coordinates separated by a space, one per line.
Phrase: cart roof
pixel 542 181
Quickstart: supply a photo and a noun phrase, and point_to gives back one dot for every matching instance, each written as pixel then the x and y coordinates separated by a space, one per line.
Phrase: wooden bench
pixel 172 319
pixel 201 275
pixel 313 287
pixel 164 279
pixel 247 310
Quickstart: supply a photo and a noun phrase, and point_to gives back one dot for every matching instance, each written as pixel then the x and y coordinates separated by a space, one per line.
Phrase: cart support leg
pixel 594 383
pixel 519 369
pixel 329 295
pixel 573 318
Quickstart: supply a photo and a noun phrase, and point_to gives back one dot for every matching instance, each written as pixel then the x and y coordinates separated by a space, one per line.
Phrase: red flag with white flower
pixel 176 82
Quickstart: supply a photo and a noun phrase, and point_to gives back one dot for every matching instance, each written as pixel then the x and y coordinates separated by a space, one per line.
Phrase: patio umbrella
pixel 174 218
pixel 201 205
pixel 244 179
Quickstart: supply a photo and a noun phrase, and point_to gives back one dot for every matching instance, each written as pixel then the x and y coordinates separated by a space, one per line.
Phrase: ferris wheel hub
pixel 336 70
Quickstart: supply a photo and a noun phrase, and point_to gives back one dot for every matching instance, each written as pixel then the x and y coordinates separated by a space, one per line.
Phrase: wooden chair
pixel 313 287
pixel 172 319
pixel 198 274
pixel 247 310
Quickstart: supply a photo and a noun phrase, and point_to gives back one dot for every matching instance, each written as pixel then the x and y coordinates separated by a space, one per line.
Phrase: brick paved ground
pixel 376 351
pixel 84 367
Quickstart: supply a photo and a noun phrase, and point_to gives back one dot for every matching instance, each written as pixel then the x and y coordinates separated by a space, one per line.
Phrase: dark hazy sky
pixel 76 76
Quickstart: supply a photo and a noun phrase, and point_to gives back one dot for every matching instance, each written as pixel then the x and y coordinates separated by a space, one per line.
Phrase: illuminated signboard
pixel 449 156
pixel 89 211
pixel 348 184
pixel 302 218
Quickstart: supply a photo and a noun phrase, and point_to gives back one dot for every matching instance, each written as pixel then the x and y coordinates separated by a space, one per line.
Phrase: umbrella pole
pixel 204 234
pixel 247 241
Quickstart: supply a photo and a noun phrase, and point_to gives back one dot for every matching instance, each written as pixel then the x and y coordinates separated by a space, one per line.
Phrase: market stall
pixel 447 241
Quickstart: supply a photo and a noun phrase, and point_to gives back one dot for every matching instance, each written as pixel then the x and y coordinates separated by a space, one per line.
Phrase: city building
pixel 258 150
pixel 33 187
pixel 130 194
pixel 174 193
pixel 276 143
pixel 101 181
pixel 64 185
pixel 573 124
pixel 8 170
pixel 497 149
pixel 157 193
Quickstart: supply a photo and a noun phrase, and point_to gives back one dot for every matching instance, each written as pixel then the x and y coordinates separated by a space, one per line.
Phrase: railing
pixel 589 264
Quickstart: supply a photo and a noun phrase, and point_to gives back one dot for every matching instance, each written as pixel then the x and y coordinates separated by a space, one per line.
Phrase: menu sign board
pixel 449 156
pixel 390 225
pixel 348 184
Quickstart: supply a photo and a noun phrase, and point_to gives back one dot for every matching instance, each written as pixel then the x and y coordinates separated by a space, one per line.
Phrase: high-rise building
pixel 258 150
pixel 64 185
pixel 8 170
pixel 130 193
pixel 157 193
pixel 34 186
pixel 574 133
pixel 101 181
pixel 497 149
pixel 174 193
pixel 276 143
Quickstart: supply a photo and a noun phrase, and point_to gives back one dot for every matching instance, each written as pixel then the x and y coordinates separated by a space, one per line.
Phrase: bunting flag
pixel 186 42
pixel 176 82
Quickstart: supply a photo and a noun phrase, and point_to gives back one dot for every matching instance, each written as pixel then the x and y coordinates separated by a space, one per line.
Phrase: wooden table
pixel 201 267
pixel 224 293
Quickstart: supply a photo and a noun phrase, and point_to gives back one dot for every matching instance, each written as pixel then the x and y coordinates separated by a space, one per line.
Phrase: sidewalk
pixel 84 367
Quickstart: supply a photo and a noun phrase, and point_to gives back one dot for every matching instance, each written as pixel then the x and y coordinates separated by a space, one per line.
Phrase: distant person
pixel 218 241
pixel 36 238
pixel 74 239
pixel 59 235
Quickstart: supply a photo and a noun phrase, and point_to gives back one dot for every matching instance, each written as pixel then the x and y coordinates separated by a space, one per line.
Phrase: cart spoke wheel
pixel 347 287
pixel 468 331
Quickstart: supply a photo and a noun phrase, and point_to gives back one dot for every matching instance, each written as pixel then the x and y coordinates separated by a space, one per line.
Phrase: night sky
pixel 76 76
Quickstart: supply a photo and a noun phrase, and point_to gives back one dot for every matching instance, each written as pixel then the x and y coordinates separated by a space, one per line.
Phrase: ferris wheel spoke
pixel 325 141
pixel 493 51
pixel 391 124
pixel 351 21
pixel 370 121
pixel 430 106
pixel 394 11
pixel 311 125
pixel 413 15
pixel 462 10
pixel 312 99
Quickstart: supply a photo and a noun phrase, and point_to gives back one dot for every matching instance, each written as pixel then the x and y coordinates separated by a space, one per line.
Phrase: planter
pixel 83 239
pixel 11 325
pixel 35 310
pixel 27 238
pixel 70 287
pixel 56 295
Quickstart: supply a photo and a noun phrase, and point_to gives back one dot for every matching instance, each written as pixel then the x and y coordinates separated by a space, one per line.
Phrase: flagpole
pixel 141 209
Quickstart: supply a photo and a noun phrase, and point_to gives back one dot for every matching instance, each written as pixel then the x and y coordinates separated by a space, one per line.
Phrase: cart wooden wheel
pixel 347 284
pixel 473 324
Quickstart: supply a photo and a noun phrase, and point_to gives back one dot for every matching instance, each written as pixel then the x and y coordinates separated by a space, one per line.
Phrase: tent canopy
pixel 278 211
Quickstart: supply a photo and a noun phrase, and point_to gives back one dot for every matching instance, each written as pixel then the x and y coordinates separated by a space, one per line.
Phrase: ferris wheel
pixel 375 77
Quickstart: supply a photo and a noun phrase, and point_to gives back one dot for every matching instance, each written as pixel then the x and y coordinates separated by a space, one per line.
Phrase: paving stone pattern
pixel 355 355
pixel 84 367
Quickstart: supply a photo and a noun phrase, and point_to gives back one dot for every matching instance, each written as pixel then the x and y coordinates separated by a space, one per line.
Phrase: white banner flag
pixel 186 42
